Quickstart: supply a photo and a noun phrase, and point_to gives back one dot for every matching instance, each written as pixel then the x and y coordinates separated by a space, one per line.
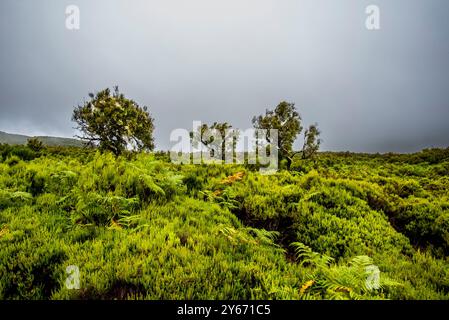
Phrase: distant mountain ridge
pixel 10 138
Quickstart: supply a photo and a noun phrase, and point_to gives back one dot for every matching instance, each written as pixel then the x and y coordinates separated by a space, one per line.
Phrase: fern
pixel 21 196
pixel 264 236
pixel 306 256
pixel 338 282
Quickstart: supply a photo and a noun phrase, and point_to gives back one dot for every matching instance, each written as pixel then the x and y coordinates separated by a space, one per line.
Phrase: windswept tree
pixel 311 141
pixel 225 145
pixel 287 121
pixel 114 123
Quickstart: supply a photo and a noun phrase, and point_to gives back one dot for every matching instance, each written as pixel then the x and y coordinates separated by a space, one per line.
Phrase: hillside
pixel 18 139
pixel 144 228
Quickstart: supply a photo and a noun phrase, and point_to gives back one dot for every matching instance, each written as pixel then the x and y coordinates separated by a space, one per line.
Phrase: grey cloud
pixel 370 91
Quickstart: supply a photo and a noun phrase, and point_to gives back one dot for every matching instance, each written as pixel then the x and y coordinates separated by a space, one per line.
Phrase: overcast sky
pixel 228 60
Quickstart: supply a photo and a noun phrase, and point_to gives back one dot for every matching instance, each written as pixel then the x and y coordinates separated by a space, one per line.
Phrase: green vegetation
pixel 114 123
pixel 286 120
pixel 140 227
pixel 18 139
pixel 203 136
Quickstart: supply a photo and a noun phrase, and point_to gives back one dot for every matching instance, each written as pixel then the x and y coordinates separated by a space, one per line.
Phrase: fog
pixel 209 60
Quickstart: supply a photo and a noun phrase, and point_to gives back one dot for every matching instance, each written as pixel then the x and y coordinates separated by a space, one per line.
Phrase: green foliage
pixel 17 139
pixel 205 136
pixel 19 152
pixel 311 142
pixel 344 281
pixel 114 122
pixel 287 121
pixel 100 210
pixel 13 199
pixel 143 228
pixel 35 144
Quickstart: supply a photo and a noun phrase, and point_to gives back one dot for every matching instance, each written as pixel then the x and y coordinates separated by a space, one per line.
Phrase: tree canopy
pixel 287 121
pixel 35 144
pixel 114 123
pixel 226 144
pixel 311 141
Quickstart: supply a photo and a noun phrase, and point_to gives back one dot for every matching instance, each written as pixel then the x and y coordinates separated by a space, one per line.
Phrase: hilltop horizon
pixel 369 91
pixel 72 141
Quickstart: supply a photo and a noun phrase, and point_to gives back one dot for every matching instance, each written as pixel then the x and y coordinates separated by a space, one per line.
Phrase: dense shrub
pixel 140 227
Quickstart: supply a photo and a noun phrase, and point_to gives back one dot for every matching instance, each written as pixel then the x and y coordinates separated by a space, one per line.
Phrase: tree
pixel 287 121
pixel 228 138
pixel 35 144
pixel 114 123
pixel 311 141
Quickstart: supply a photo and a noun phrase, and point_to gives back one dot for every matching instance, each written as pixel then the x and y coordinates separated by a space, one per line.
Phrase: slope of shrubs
pixel 139 227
